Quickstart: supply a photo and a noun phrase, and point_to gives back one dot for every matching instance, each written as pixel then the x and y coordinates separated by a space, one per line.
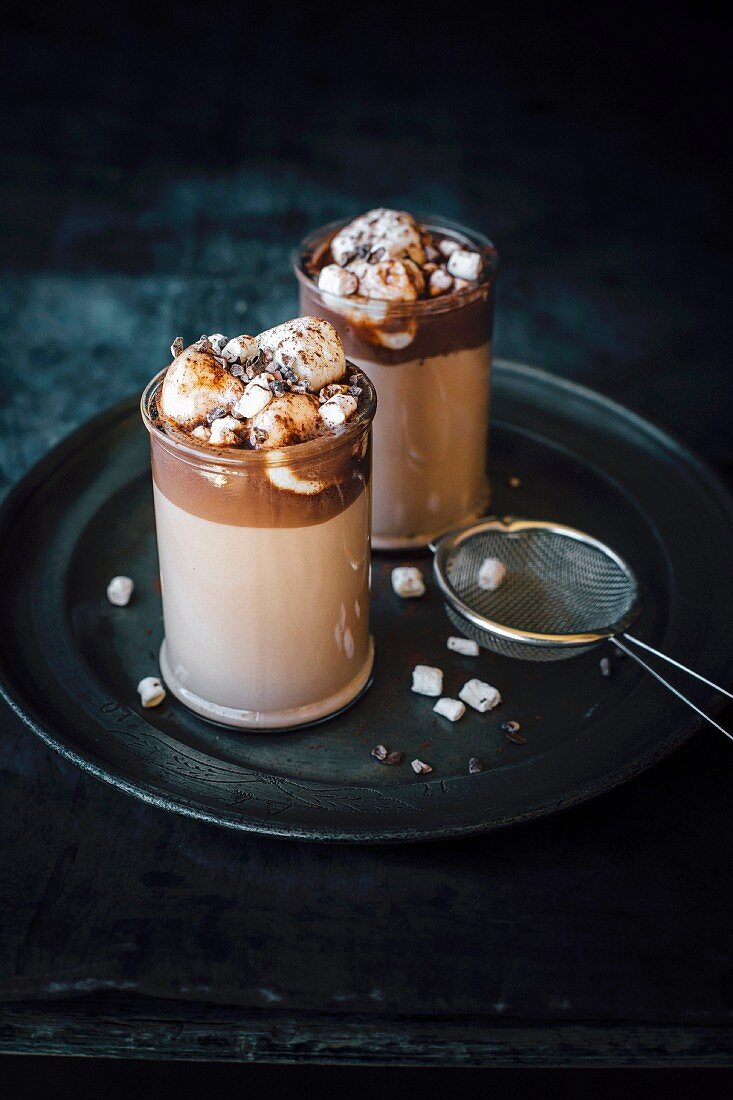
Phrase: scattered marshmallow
pixel 465 646
pixel 480 696
pixel 336 280
pixel 491 574
pixel 465 265
pixel 225 432
pixel 452 709
pixel 202 432
pixel 420 767
pixel 407 582
pixel 338 409
pixel 427 680
pixel 151 691
pixel 241 349
pixel 119 591
pixel 440 282
pixel 256 397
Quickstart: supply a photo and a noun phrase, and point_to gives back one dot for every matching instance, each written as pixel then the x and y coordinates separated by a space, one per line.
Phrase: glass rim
pixel 443 303
pixel 183 444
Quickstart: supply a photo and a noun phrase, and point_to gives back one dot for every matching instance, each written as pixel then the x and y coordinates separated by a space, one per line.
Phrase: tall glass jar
pixel 430 361
pixel 264 565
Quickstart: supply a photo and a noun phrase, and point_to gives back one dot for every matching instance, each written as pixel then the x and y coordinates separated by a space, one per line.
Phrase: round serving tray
pixel 70 662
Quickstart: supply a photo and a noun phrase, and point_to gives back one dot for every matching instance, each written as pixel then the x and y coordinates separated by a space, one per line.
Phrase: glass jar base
pixel 289 718
pixel 421 542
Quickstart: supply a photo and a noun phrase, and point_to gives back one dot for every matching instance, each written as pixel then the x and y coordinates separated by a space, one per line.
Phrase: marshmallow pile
pixel 285 386
pixel 387 254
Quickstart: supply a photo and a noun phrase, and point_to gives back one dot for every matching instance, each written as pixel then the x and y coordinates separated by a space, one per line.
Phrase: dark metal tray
pixel 69 662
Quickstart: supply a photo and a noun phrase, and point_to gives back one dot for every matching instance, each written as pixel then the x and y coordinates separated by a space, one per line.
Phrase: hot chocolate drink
pixel 413 302
pixel 261 468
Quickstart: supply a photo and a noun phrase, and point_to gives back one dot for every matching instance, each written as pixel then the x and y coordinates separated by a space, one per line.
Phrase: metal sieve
pixel 564 593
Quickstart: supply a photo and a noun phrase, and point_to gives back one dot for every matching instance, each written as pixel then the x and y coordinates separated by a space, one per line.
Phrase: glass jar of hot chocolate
pixel 261 462
pixel 413 302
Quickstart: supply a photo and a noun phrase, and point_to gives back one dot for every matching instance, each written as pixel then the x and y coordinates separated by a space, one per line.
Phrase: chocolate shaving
pixel 257 436
pixel 216 414
pixel 177 347
pixel 515 737
pixel 384 756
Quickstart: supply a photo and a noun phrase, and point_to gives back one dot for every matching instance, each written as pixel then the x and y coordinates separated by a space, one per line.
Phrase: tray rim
pixel 24 709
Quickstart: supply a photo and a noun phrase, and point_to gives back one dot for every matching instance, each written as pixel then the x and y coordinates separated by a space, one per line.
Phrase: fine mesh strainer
pixel 564 592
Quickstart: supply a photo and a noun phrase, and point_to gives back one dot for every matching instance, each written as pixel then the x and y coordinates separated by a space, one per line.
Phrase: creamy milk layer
pixel 430 439
pixel 280 640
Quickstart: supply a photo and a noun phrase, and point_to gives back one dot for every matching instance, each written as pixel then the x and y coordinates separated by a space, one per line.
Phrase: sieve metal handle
pixel 663 656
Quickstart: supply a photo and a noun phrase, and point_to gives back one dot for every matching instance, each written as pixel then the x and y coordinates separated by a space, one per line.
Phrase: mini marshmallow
pixel 177 347
pixel 491 574
pixel 217 341
pixel 336 280
pixel 151 691
pixel 241 349
pixel 480 696
pixel 465 265
pixel 452 709
pixel 202 432
pixel 119 591
pixel 330 391
pixel 420 767
pixel 338 409
pixel 427 680
pixel 465 646
pixel 440 282
pixel 448 246
pixel 407 582
pixel 225 432
pixel 256 397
